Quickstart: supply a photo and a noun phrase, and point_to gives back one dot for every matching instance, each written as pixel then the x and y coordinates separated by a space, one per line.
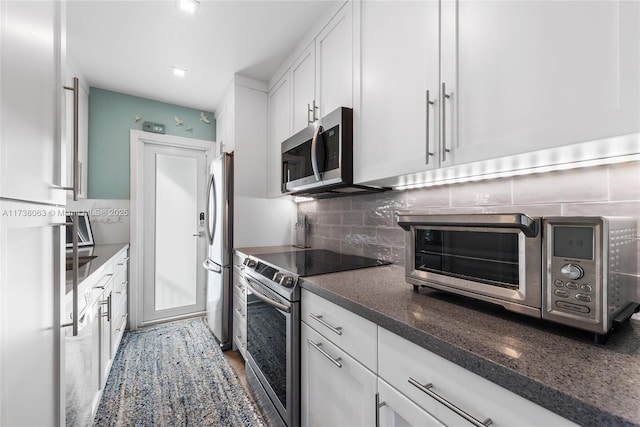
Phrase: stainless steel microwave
pixel 318 160
pixel 578 271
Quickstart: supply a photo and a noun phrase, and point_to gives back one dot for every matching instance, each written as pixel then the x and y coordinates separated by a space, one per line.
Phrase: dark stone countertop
pixel 557 367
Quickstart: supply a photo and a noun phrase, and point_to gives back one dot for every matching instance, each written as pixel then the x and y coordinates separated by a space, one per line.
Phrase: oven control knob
pixel 249 263
pixel 287 281
pixel 278 277
pixel 572 271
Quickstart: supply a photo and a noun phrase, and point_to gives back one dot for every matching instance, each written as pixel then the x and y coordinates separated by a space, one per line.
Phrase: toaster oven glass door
pixel 491 258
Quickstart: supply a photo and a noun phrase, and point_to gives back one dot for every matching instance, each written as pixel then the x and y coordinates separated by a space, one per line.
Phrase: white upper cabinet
pixel 279 129
pixel 524 76
pixel 319 80
pixel 32 110
pixel 303 77
pixel 334 63
pixel 504 78
pixel 399 62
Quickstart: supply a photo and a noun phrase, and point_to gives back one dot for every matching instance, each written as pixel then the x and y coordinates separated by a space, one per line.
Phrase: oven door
pixel 273 347
pixel 490 257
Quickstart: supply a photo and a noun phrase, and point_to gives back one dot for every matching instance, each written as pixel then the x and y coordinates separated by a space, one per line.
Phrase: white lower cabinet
pixel 414 386
pixel 239 310
pixel 447 391
pixel 336 390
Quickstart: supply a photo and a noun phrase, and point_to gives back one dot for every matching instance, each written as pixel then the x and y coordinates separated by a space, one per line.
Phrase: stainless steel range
pixel 273 324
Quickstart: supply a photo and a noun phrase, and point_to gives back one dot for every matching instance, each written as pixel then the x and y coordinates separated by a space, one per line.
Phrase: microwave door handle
pixel 314 154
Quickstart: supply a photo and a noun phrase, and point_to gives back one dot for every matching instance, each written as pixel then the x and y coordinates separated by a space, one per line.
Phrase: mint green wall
pixel 111 116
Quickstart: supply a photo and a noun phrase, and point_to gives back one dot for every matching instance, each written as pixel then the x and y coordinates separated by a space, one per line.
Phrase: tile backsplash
pixel 365 225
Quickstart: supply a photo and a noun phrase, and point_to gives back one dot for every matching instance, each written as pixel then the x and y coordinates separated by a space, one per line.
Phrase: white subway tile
pixel 624 181
pixel 482 193
pixel 423 198
pixel 576 185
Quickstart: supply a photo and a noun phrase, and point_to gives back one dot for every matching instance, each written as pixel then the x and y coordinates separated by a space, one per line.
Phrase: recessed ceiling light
pixel 180 72
pixel 189 6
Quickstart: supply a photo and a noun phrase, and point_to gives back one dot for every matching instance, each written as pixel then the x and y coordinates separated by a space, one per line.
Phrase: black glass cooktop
pixel 318 261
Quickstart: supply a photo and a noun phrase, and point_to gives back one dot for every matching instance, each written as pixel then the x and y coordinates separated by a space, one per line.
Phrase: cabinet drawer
pixel 239 307
pixel 240 333
pixel 121 260
pixel 353 334
pixel 336 390
pixel 401 361
pixel 396 410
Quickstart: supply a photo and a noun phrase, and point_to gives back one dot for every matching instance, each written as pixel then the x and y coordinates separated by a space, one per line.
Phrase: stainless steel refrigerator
pixel 218 265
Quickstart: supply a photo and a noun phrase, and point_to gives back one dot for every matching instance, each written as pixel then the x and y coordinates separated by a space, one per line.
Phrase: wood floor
pixel 237 363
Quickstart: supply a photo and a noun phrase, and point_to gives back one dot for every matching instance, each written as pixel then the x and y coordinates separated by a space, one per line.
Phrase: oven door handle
pixel 276 304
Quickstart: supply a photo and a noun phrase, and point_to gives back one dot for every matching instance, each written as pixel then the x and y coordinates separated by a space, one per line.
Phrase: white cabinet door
pixel 279 129
pixel 31 147
pixel 334 63
pixel 399 64
pixel 303 77
pixel 525 76
pixel 31 288
pixel 396 410
pixel 336 390
pixel 105 334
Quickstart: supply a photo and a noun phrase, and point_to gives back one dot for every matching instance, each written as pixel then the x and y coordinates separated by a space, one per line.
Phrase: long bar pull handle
pixel 309 111
pixel 325 354
pixel 445 96
pixel 106 276
pixel 76 107
pixel 378 406
pixel 74 267
pixel 426 388
pixel 429 102
pixel 336 329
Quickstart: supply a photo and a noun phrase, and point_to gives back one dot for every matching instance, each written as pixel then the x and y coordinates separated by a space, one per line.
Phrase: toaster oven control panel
pixel 573 277
pixel 582 256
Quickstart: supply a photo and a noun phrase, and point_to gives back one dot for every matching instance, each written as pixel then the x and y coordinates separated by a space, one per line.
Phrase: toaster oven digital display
pixel 573 242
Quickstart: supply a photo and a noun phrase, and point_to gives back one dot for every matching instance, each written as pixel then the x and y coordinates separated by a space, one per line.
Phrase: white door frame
pixel 137 141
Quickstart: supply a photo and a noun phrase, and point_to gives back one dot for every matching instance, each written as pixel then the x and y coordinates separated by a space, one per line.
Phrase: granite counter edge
pixel 543 395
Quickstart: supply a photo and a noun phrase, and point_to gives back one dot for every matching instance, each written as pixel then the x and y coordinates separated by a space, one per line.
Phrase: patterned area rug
pixel 174 375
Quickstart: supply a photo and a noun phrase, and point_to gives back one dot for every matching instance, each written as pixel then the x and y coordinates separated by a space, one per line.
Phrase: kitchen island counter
pixel 556 367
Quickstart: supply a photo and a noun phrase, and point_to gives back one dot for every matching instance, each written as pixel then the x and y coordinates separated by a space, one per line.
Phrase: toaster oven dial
pixel 572 271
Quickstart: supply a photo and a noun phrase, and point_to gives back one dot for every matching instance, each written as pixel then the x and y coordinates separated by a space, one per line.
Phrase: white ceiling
pixel 130 46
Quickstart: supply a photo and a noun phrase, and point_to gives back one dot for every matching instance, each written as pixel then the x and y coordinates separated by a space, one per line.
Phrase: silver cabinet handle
pixel 426 388
pixel 76 100
pixel 74 268
pixel 445 96
pixel 318 318
pixel 312 110
pixel 378 406
pixel 314 154
pixel 309 111
pixel 106 276
pixel 325 354
pixel 429 102
pixel 124 261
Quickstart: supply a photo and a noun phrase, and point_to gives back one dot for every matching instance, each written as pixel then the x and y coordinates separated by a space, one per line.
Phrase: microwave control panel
pixel 332 148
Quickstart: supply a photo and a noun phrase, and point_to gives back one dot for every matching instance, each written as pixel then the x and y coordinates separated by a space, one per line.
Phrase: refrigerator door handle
pixel 211 191
pixel 212 266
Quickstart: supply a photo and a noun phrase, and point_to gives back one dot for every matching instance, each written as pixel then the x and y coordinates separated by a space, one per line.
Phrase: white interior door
pixel 174 238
